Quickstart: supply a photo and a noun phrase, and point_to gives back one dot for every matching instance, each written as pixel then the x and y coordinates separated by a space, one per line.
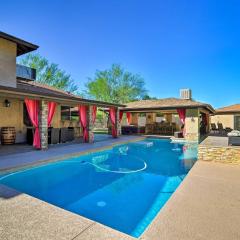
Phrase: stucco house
pixel 228 116
pixel 29 109
pixel 33 112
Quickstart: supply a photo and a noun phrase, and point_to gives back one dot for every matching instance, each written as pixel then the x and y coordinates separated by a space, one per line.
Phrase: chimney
pixel 186 94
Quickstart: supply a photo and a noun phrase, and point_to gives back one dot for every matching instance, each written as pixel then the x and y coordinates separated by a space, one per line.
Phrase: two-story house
pixel 26 106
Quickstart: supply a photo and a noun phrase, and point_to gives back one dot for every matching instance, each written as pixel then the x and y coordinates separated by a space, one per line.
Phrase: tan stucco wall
pixel 56 121
pixel 134 119
pixel 8 52
pixel 226 120
pixel 192 125
pixel 13 117
pixel 150 118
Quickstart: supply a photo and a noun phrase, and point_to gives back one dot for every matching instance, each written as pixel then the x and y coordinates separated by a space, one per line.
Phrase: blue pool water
pixel 124 187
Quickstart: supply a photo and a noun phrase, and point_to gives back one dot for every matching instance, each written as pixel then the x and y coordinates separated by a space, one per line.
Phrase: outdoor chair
pixel 214 128
pixel 70 134
pixel 54 136
pixel 221 130
pixel 63 135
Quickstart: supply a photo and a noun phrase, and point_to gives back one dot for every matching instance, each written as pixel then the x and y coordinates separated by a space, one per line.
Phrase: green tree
pixel 147 97
pixel 116 85
pixel 49 73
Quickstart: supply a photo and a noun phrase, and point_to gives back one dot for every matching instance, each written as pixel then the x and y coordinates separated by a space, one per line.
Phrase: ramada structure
pixel 171 115
pixel 35 111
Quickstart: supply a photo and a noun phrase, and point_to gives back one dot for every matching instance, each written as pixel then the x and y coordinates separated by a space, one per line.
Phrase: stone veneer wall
pixel 43 126
pixel 219 154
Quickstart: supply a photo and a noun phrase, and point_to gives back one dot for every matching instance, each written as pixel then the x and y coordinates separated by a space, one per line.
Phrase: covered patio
pixel 42 116
pixel 173 117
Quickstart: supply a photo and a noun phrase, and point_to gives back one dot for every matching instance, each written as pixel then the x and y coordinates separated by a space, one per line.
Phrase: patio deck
pixel 18 156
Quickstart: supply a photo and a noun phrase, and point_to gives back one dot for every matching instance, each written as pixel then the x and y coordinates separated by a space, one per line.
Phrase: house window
pixel 142 115
pixel 159 115
pixel 69 113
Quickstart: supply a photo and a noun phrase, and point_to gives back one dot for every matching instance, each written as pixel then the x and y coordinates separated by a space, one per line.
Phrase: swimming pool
pixel 123 187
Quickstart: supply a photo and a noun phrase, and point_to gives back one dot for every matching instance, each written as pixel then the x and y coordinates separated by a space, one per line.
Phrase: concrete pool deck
pixel 205 206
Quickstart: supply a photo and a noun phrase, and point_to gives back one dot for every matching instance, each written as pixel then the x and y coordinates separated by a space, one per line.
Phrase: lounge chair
pixel 214 128
pixel 221 129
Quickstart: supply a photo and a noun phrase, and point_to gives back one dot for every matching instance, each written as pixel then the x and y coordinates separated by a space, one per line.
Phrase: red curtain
pixel 128 117
pixel 94 114
pixel 112 112
pixel 120 116
pixel 205 119
pixel 51 111
pixel 33 110
pixel 82 109
pixel 182 116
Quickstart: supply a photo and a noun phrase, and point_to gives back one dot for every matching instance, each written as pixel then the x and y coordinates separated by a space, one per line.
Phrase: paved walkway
pixel 32 157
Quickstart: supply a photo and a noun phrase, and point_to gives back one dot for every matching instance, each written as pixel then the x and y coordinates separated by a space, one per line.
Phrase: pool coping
pixel 7 170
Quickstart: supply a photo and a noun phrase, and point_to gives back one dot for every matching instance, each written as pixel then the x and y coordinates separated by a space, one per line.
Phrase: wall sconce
pixel 7 103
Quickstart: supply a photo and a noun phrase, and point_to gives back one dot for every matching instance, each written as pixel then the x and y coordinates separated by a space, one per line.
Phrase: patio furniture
pixel 63 135
pixel 127 130
pixel 149 128
pixel 53 135
pixel 141 130
pixel 164 128
pixel 234 140
pixel 221 130
pixel 70 134
pixel 214 128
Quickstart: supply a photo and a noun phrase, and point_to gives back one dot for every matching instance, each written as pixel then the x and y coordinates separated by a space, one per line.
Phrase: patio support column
pixel 119 129
pixel 43 124
pixel 192 132
pixel 90 124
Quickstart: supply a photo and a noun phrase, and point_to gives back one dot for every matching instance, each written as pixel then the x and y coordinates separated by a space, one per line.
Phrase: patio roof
pixel 166 103
pixel 22 46
pixel 32 89
pixel 229 109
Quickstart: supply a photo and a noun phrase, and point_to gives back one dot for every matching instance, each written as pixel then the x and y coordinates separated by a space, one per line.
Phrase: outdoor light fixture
pixel 7 103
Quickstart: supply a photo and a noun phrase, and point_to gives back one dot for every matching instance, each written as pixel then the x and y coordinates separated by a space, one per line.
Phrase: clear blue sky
pixel 172 44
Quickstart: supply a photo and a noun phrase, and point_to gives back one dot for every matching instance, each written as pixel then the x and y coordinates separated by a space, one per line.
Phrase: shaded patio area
pixel 24 155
